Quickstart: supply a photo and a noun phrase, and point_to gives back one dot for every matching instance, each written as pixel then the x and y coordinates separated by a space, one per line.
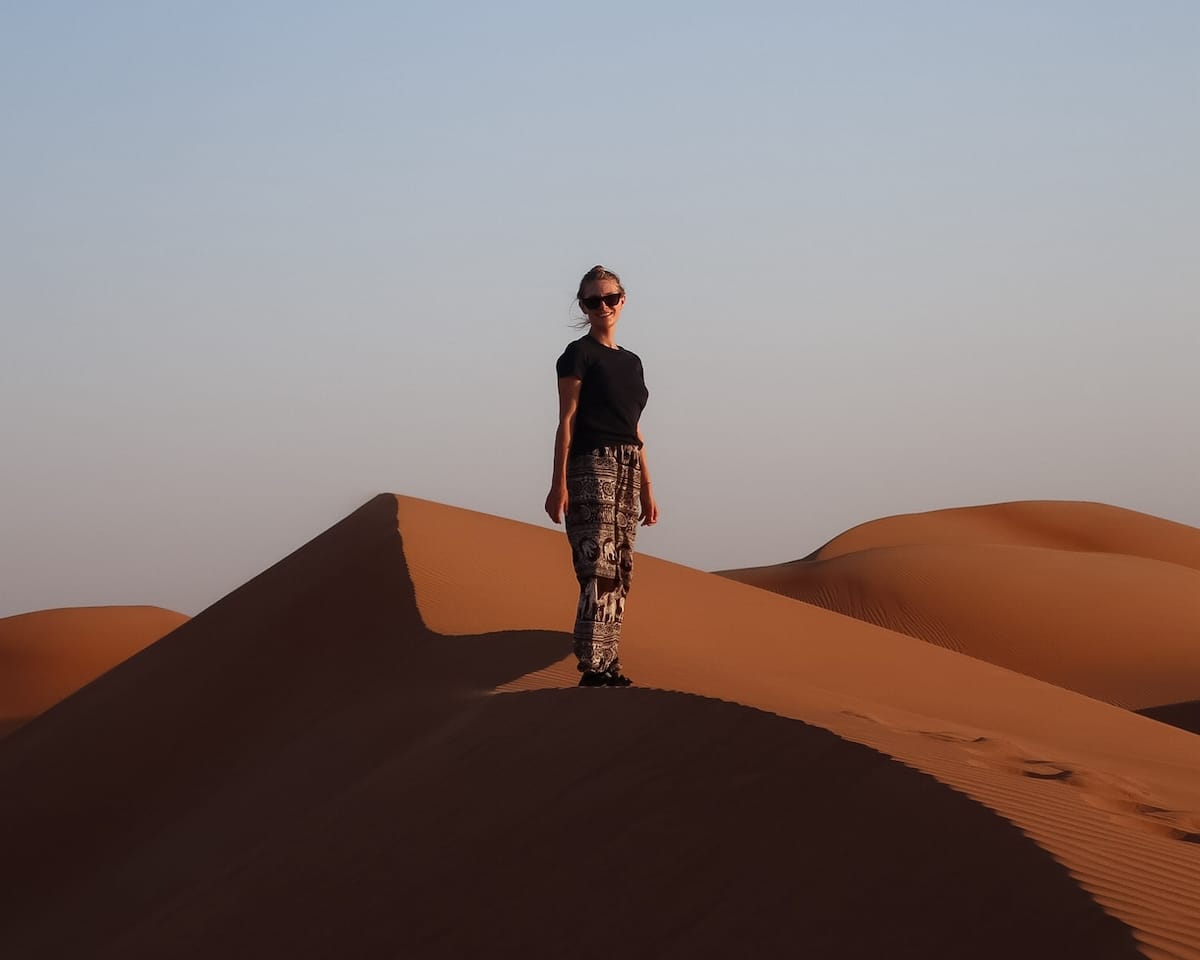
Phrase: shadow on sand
pixel 304 769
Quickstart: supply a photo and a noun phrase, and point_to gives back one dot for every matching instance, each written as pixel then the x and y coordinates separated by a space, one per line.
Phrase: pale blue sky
pixel 260 261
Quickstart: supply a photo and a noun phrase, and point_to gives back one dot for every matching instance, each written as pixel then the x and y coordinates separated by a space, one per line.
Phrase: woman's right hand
pixel 556 503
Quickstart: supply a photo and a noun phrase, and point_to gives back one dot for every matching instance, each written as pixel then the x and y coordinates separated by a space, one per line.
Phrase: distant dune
pixel 1056 524
pixel 1186 716
pixel 368 750
pixel 49 654
pixel 1096 599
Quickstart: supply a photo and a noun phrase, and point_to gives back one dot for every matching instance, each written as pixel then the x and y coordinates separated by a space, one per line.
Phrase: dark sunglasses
pixel 593 303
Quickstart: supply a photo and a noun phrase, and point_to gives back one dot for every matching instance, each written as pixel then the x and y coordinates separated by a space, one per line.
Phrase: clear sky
pixel 260 261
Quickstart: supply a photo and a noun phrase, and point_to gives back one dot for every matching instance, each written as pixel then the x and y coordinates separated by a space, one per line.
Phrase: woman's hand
pixel 556 502
pixel 649 507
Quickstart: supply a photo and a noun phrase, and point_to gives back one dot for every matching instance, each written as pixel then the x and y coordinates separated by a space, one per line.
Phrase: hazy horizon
pixel 264 261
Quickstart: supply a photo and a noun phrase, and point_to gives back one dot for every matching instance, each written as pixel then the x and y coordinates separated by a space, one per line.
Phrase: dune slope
pixel 1113 796
pixel 667 824
pixel 1120 628
pixel 48 654
pixel 317 763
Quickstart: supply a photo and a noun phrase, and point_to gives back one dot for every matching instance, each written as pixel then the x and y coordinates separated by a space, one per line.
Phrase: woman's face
pixel 601 314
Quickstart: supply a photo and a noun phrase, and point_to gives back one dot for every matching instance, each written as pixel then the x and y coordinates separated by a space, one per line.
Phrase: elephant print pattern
pixel 603 502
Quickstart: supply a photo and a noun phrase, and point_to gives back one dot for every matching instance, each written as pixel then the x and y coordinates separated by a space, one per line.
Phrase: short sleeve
pixel 572 363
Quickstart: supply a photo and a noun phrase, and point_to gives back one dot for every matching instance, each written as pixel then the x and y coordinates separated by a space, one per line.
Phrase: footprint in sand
pixel 949 736
pixel 1125 799
pixel 1045 770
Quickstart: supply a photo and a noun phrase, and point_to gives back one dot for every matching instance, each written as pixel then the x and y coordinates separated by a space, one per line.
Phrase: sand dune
pixel 320 764
pixel 48 654
pixel 1186 716
pixel 1056 524
pixel 1097 599
pixel 1125 629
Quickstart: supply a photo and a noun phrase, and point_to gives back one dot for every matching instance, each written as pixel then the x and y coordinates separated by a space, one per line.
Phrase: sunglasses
pixel 593 303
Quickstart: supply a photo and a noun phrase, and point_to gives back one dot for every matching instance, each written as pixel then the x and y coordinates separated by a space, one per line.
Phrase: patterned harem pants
pixel 603 503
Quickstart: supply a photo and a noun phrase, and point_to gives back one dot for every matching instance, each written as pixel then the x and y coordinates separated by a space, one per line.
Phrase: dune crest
pixel 1056 524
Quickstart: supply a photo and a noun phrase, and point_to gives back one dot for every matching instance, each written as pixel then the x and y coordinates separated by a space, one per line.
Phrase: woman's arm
pixel 568 404
pixel 649 515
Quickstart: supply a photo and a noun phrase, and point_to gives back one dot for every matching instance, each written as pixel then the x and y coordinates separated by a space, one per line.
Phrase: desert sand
pixel 48 654
pixel 1057 524
pixel 374 748
pixel 1089 597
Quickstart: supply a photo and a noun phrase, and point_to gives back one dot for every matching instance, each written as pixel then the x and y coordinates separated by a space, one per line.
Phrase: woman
pixel 601 482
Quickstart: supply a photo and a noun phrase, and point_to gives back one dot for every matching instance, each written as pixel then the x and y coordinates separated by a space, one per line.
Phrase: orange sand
pixel 1095 599
pixel 363 752
pixel 46 655
pixel 1057 524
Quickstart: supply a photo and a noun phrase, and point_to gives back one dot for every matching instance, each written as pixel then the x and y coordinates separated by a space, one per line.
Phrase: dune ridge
pixel 327 743
pixel 1078 525
pixel 46 655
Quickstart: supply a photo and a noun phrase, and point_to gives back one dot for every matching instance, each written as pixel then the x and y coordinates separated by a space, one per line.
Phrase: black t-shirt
pixel 611 398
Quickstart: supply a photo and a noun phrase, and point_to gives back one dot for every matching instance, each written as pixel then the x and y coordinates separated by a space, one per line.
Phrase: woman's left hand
pixel 649 515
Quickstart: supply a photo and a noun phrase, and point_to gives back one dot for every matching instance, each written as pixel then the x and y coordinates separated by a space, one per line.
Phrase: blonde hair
pixel 596 274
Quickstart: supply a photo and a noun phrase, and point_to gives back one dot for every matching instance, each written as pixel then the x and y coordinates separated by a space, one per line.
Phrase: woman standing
pixel 600 481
